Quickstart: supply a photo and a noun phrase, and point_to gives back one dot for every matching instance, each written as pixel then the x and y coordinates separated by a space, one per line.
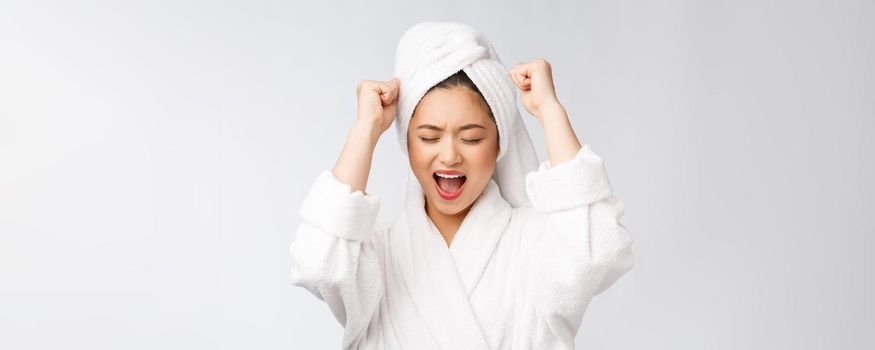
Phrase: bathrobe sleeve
pixel 334 256
pixel 583 248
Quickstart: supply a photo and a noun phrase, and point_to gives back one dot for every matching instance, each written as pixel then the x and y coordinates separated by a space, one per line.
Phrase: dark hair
pixel 460 79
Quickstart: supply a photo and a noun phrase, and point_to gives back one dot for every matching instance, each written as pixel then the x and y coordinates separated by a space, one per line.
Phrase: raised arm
pixel 377 104
pixel 584 248
pixel 336 252
pixel 535 82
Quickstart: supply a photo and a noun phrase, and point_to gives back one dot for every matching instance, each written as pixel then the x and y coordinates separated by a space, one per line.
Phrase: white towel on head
pixel 430 52
pixel 515 276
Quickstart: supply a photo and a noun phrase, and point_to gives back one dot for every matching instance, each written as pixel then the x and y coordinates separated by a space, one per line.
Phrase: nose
pixel 448 154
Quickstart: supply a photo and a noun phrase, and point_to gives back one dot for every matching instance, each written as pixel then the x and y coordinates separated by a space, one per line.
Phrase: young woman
pixel 491 250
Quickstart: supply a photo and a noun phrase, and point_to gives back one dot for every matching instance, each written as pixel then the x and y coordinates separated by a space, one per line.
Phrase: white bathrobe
pixel 513 277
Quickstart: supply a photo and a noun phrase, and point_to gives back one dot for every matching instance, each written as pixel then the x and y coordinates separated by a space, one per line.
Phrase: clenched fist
pixel 535 82
pixel 377 103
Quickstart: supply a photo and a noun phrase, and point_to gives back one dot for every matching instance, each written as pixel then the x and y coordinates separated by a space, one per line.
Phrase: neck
pixel 447 224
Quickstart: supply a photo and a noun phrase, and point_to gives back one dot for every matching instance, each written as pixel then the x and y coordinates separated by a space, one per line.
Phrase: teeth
pixel 449 176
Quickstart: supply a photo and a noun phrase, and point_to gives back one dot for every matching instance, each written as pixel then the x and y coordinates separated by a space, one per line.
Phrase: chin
pixel 449 209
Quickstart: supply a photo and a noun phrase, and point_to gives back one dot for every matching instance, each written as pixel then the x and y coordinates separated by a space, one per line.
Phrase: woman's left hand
pixel 535 81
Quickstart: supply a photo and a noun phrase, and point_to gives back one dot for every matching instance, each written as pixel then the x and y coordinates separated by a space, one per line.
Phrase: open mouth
pixel 449 185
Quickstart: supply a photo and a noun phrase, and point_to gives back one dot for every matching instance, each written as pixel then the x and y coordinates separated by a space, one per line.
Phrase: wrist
pixel 365 132
pixel 551 111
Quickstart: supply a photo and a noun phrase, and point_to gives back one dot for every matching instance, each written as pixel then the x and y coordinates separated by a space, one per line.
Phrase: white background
pixel 154 155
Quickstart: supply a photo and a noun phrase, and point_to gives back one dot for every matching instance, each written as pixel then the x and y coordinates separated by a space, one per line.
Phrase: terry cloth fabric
pixel 514 277
pixel 430 52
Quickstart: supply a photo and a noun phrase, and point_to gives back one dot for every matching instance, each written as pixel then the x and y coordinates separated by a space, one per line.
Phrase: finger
pixel 526 73
pixel 387 91
pixel 397 83
pixel 522 76
pixel 370 86
pixel 514 75
pixel 520 79
pixel 389 98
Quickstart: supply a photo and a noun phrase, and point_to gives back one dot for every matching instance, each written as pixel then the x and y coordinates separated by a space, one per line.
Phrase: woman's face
pixel 452 134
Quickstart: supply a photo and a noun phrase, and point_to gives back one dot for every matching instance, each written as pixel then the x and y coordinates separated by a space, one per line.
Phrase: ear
pixel 497 141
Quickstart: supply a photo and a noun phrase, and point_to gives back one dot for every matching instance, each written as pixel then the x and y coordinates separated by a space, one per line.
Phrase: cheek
pixel 482 158
pixel 419 159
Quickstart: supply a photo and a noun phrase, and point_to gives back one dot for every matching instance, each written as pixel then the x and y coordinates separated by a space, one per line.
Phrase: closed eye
pixel 425 139
pixel 475 141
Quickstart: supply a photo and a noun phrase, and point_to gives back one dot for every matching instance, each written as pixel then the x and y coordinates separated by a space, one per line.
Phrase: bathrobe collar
pixel 440 279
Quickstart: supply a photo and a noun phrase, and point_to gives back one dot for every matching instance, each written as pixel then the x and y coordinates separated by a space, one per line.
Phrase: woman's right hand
pixel 377 103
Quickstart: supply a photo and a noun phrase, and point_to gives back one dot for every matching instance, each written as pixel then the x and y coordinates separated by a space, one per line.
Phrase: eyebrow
pixel 462 128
